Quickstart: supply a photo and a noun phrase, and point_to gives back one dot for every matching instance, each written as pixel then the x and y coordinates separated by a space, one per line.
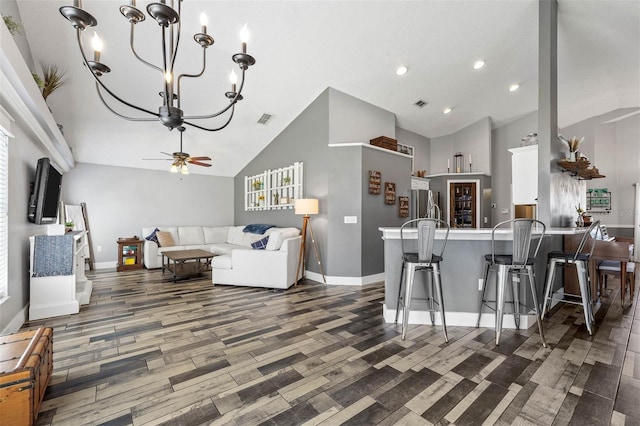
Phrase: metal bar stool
pixel 424 259
pixel 519 262
pixel 580 259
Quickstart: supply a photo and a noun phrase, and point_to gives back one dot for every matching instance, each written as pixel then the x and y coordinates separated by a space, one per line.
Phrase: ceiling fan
pixel 180 159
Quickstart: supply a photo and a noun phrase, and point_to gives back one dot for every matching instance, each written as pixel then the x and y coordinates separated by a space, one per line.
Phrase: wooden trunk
pixel 26 363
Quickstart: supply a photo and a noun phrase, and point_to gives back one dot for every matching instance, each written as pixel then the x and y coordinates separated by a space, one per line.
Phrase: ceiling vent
pixel 420 103
pixel 264 118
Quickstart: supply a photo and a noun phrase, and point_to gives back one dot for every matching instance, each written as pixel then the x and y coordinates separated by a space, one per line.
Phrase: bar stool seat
pixel 519 262
pixel 579 259
pixel 424 259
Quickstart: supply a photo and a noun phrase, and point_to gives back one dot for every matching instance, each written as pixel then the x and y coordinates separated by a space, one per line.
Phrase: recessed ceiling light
pixel 514 87
pixel 446 111
pixel 478 64
pixel 401 70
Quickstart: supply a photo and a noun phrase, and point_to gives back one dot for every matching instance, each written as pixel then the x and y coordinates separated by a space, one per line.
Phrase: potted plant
pixel 257 185
pixel 13 26
pixel 276 197
pixel 68 226
pixel 52 79
pixel 286 180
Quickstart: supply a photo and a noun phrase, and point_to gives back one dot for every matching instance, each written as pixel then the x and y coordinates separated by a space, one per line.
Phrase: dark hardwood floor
pixel 148 351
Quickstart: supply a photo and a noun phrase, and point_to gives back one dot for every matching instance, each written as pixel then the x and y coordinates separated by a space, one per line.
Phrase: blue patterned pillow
pixel 260 244
pixel 153 237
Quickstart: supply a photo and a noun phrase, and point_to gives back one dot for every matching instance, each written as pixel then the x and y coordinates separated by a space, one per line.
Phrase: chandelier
pixel 170 112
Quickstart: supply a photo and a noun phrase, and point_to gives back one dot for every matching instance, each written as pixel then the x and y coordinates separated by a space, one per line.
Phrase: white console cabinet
pixel 52 296
pixel 524 174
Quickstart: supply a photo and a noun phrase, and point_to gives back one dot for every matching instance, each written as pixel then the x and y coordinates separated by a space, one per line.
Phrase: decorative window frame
pixel 273 189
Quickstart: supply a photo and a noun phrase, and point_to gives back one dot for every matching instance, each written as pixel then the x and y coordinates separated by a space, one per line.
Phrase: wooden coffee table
pixel 186 263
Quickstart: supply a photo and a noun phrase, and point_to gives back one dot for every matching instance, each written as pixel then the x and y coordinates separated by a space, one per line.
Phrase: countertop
pixel 480 234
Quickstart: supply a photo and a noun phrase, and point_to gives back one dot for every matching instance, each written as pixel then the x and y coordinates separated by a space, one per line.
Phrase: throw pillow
pixel 165 239
pixel 260 244
pixel 153 236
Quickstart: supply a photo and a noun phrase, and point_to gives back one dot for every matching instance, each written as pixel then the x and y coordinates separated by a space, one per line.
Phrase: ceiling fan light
pixel 184 170
pixel 174 168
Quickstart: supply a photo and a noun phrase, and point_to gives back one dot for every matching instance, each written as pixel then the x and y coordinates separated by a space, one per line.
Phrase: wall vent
pixel 264 118
pixel 420 103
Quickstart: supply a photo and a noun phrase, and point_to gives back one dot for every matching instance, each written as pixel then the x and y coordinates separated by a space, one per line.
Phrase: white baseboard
pixel 462 319
pixel 105 265
pixel 17 321
pixel 336 280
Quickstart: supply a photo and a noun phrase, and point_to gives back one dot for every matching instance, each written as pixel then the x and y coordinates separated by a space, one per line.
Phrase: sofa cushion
pixel 240 238
pixel 226 248
pixel 153 236
pixel 190 235
pixel 165 239
pixel 221 262
pixel 260 244
pixel 277 237
pixel 215 234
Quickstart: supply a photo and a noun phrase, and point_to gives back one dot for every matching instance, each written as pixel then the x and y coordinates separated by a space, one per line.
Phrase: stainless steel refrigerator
pixel 423 204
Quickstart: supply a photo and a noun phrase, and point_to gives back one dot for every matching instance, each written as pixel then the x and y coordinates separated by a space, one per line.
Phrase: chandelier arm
pixel 174 51
pixel 98 81
pixel 167 96
pixel 218 128
pixel 204 66
pixel 117 113
pixel 135 54
pixel 231 104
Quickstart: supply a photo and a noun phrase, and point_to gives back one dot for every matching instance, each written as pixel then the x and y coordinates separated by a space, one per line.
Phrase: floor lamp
pixel 306 207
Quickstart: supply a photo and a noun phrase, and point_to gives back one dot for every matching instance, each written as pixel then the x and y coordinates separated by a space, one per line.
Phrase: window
pixel 4 212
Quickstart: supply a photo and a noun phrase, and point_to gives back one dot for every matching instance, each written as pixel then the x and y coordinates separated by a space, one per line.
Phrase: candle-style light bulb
pixel 244 38
pixel 233 78
pixel 168 77
pixel 204 21
pixel 96 43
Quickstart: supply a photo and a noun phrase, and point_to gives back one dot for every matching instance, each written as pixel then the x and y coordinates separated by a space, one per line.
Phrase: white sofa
pixel 236 263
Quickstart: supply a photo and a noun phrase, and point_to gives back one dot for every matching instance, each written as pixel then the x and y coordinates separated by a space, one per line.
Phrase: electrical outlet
pixel 351 219
pixel 486 220
pixel 480 283
pixel 505 211
pixel 99 248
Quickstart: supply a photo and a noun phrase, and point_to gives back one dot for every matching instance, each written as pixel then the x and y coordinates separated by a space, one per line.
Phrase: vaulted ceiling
pixel 303 47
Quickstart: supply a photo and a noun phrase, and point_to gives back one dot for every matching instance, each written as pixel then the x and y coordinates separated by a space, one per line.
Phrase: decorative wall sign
pixel 374 182
pixel 404 206
pixel 389 193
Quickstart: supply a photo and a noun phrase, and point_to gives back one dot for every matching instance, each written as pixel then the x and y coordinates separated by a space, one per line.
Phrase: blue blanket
pixel 53 255
pixel 257 228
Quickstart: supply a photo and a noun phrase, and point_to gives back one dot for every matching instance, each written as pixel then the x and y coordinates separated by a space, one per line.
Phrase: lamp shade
pixel 306 206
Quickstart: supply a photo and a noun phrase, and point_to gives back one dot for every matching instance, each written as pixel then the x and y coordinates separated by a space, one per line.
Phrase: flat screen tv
pixel 45 194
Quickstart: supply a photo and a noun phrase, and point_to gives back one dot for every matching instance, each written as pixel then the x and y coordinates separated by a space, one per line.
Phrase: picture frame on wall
pixel 403 203
pixel 389 193
pixel 374 182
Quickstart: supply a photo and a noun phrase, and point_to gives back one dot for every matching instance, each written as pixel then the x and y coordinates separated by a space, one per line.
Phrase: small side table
pixel 129 254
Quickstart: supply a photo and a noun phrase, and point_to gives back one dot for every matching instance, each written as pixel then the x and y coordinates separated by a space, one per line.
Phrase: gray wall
pixel 305 140
pixel 335 179
pixel 502 139
pixel 474 140
pixel 122 200
pixel 421 147
pixel 611 146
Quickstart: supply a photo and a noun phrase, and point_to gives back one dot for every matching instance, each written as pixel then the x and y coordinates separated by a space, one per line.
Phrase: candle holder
pixel 458 159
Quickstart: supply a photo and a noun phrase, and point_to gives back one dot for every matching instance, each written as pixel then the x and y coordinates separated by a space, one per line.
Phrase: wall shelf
pixel 580 169
pixel 273 189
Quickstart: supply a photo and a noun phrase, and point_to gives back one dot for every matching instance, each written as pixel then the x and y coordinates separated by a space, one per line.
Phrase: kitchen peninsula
pixel 462 268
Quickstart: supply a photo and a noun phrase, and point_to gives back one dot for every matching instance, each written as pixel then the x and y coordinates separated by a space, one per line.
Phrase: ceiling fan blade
pixel 166 153
pixel 200 158
pixel 198 163
pixel 158 159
